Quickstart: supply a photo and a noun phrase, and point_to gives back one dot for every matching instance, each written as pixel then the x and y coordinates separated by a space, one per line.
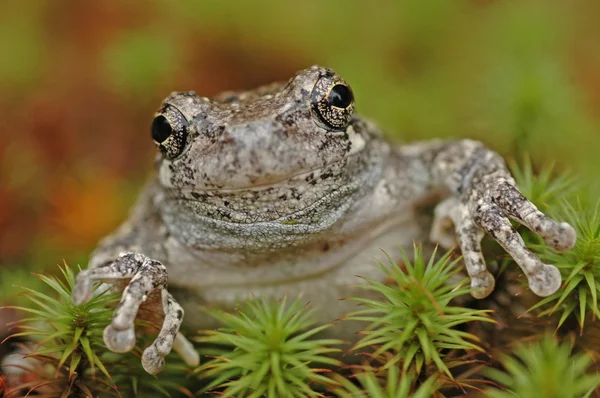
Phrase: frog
pixel 285 191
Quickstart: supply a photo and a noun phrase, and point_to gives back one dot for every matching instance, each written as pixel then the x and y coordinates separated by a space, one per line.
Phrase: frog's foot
pixel 145 276
pixel 489 211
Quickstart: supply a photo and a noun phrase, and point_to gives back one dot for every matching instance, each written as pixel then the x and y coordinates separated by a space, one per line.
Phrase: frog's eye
pixel 169 131
pixel 333 102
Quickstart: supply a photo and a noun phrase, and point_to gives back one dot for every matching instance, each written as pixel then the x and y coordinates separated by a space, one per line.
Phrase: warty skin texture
pixel 277 191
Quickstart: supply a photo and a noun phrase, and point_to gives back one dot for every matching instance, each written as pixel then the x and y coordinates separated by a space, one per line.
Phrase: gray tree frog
pixel 283 190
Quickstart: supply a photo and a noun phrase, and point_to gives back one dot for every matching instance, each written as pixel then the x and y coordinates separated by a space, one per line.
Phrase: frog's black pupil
pixel 161 129
pixel 340 96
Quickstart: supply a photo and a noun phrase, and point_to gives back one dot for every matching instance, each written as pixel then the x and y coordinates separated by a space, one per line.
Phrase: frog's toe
pixel 469 239
pixel 559 236
pixel 442 228
pixel 562 237
pixel 482 285
pixel 119 340
pixel 153 361
pixel 546 281
pixel 186 350
pixel 83 288
pixel 153 358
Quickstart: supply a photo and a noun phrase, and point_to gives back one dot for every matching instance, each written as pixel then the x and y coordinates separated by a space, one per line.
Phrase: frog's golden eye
pixel 169 131
pixel 333 102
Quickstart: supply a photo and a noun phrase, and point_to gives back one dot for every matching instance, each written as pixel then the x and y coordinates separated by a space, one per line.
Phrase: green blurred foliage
pixel 80 80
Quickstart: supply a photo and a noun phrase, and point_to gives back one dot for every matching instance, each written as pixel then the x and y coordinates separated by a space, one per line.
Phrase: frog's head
pixel 256 138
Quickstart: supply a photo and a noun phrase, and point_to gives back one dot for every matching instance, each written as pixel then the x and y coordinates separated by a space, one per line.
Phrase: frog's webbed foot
pixel 487 210
pixel 145 276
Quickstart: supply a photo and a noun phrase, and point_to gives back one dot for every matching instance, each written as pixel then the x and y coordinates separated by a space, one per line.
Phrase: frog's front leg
pixel 484 198
pixel 145 276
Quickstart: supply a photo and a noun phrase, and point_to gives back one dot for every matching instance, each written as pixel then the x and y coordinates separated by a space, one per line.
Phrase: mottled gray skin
pixel 277 192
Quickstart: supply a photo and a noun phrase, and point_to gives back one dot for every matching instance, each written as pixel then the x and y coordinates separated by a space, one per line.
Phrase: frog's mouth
pixel 305 175
pixel 294 200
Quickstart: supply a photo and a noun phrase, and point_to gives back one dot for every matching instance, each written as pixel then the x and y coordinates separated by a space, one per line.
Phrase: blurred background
pixel 80 81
